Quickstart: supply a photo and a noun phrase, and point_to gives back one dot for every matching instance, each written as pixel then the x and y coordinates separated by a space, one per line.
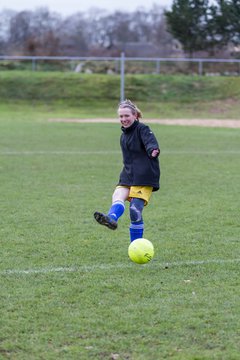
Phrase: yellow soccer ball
pixel 141 251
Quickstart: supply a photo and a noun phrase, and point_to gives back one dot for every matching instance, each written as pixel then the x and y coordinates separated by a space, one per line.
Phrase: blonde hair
pixel 129 104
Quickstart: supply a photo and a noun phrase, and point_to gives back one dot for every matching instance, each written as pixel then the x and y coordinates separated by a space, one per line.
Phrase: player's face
pixel 126 117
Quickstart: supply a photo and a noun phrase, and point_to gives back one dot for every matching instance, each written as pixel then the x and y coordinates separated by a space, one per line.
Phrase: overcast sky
pixel 67 7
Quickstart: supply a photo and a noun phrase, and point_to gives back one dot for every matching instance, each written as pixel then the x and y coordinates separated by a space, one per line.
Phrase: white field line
pixel 113 152
pixel 110 267
pixel 234 123
pixel 57 152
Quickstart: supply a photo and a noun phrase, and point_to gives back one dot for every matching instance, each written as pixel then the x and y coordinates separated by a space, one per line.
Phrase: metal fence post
pixel 158 67
pixel 33 64
pixel 200 68
pixel 122 76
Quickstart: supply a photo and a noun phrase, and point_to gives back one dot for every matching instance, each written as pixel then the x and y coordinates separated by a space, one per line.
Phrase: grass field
pixel 68 289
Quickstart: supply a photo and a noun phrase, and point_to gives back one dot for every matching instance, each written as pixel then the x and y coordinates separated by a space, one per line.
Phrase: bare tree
pixel 73 36
pixel 19 30
pixel 44 39
pixel 5 17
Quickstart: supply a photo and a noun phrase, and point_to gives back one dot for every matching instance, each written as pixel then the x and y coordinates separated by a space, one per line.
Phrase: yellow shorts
pixel 140 192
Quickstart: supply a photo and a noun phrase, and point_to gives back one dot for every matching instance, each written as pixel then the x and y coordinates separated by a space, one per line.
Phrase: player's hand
pixel 155 153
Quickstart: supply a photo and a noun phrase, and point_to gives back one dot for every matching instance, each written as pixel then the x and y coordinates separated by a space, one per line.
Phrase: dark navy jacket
pixel 140 169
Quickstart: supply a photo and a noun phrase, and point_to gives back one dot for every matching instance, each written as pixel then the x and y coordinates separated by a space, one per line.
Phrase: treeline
pixel 190 26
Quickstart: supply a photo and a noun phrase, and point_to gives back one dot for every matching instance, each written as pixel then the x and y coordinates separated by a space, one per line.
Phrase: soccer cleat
pixel 105 220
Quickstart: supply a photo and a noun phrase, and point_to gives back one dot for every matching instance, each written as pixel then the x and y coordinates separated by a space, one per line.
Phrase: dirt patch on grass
pixel 180 122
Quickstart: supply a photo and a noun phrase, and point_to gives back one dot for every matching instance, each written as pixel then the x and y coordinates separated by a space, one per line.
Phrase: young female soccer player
pixel 140 174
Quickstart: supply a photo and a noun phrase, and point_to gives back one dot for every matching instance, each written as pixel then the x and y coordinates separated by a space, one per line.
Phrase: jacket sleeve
pixel 149 140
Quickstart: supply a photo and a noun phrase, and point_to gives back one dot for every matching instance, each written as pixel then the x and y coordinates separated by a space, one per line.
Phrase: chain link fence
pixel 114 65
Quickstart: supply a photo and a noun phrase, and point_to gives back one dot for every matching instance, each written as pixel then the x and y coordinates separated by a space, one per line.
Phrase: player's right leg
pixel 116 210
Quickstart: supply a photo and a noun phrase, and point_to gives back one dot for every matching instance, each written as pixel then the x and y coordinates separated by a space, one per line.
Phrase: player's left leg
pixel 136 227
pixel 139 197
